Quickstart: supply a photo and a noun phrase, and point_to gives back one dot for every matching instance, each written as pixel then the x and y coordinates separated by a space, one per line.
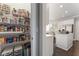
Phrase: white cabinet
pixel 49 45
pixel 64 41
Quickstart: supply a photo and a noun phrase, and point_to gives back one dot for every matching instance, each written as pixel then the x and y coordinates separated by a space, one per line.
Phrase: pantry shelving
pixel 3 46
pixel 14 28
pixel 14 43
pixel 8 24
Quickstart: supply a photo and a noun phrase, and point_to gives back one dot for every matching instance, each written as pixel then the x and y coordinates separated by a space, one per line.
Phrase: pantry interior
pixel 15 29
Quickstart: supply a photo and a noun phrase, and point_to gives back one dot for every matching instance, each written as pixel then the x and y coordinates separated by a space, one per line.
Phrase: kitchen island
pixel 64 41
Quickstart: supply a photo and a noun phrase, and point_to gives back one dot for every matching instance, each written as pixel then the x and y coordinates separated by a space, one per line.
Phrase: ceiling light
pixel 66 11
pixel 61 6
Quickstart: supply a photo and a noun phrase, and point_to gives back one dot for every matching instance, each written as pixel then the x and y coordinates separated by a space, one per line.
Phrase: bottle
pixel 17 29
pixel 5 40
pixel 1 40
pixel 14 39
pixel 14 12
pixel 10 39
pixel 2 28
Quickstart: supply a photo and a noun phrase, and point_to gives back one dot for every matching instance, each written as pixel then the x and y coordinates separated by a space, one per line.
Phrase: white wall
pixel 76 28
pixel 65 22
pixel 62 23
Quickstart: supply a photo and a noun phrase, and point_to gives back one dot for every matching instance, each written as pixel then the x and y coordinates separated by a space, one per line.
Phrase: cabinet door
pixel 49 46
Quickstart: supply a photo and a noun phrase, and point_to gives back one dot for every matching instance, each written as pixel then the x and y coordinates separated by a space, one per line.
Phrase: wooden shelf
pixel 11 32
pixel 9 24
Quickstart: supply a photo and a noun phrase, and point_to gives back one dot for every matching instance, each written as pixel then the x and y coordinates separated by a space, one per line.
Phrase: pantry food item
pixel 27 23
pixel 22 37
pixel 9 28
pixel 1 28
pixel 23 13
pixel 0 6
pixel 15 19
pixel 12 21
pixel 1 13
pixel 14 39
pixel 0 19
pixel 5 28
pixel 4 19
pixel 5 9
pixel 17 29
pixel 2 40
pixel 21 20
pixel 14 12
pixel 9 39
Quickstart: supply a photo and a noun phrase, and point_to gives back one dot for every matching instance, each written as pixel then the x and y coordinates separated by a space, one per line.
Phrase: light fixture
pixel 61 6
pixel 66 12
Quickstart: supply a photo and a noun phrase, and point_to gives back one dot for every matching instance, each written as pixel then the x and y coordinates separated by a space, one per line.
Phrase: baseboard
pixel 61 49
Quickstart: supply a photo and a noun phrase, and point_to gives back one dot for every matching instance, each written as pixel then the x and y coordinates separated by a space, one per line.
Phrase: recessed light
pixel 61 6
pixel 66 11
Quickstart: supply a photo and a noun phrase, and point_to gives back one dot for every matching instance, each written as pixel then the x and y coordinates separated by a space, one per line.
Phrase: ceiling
pixel 63 10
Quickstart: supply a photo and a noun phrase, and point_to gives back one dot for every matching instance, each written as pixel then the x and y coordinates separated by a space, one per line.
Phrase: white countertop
pixel 48 35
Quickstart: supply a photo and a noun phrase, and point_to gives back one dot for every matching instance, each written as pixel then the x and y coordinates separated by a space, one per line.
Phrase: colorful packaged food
pixel 2 40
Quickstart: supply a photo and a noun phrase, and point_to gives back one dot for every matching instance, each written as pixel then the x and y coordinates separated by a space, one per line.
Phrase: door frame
pixel 38 28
